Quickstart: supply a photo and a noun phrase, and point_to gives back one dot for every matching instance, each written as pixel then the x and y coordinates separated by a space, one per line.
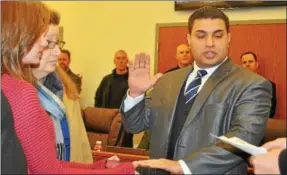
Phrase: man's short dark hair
pixel 66 52
pixel 207 12
pixel 54 18
pixel 249 52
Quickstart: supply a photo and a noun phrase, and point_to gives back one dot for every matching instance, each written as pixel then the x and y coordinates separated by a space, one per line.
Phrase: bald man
pixel 182 56
pixel 113 88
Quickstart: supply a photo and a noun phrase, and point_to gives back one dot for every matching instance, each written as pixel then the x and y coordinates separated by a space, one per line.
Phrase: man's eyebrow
pixel 219 30
pixel 200 31
pixel 203 31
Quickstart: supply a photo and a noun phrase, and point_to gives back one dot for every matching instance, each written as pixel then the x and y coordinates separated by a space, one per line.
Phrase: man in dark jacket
pixel 183 57
pixel 113 88
pixel 12 155
pixel 249 60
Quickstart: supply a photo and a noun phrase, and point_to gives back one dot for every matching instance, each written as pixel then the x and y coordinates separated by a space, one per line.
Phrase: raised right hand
pixel 139 75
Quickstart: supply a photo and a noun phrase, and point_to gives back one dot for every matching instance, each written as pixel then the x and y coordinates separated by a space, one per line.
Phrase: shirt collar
pixel 208 70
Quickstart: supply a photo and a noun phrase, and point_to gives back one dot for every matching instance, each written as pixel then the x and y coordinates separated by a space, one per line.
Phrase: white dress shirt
pixel 130 102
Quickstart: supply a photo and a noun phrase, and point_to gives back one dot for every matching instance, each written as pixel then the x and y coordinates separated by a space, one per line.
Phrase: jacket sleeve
pixel 282 162
pixel 273 100
pixel 33 127
pixel 138 118
pixel 100 164
pixel 144 143
pixel 248 122
pixel 99 94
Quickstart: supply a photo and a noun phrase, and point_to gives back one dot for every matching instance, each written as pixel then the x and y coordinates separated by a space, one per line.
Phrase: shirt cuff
pixel 132 101
pixel 184 167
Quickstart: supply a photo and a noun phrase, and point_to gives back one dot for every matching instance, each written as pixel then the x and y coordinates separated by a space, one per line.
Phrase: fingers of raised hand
pixel 147 62
pixel 131 65
pixel 142 60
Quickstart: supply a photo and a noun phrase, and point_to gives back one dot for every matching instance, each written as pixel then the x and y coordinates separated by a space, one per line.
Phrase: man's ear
pixel 229 38
pixel 188 39
pixel 257 65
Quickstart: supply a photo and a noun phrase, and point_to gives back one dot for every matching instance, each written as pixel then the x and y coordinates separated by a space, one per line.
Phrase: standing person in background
pixel 113 88
pixel 64 62
pixel 183 57
pixel 249 60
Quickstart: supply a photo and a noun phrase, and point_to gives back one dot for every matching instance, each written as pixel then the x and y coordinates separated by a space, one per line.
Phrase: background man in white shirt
pixel 213 96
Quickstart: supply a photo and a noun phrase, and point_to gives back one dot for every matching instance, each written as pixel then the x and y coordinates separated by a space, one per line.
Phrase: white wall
pixel 93 31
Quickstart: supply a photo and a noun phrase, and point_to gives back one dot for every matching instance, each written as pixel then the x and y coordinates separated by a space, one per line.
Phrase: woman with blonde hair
pixel 24 28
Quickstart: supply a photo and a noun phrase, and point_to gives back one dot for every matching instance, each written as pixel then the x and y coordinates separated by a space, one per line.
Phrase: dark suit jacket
pixel 282 162
pixel 12 155
pixel 273 100
pixel 232 102
pixel 173 69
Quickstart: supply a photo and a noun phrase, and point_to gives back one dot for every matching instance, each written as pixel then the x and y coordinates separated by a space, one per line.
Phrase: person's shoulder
pixel 108 76
pixel 72 74
pixel 172 69
pixel 170 77
pixel 245 78
pixel 18 85
pixel 176 72
pixel 18 88
pixel 247 74
pixel 273 84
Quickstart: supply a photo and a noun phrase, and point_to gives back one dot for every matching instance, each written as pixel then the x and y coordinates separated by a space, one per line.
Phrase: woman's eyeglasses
pixel 52 44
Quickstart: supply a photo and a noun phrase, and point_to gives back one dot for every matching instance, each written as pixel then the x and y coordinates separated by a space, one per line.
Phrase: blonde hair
pixel 70 88
pixel 22 25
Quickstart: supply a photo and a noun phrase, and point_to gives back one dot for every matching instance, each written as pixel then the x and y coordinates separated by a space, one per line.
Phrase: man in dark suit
pixel 12 155
pixel 249 60
pixel 213 96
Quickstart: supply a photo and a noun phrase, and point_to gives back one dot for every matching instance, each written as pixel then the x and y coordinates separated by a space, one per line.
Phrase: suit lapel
pixel 207 88
pixel 177 82
pixel 172 98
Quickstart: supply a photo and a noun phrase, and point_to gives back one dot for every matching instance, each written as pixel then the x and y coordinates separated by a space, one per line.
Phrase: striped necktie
pixel 192 88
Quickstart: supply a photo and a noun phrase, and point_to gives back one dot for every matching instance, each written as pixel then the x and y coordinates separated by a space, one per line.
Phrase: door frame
pixel 182 24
